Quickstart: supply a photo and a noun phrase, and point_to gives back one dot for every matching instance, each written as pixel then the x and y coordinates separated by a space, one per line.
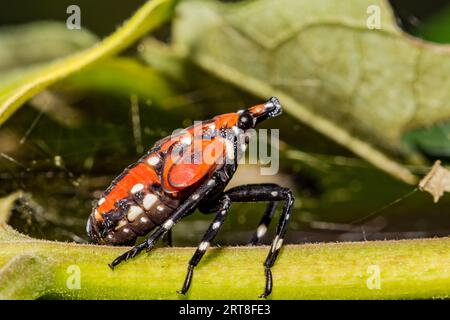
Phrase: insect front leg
pixel 278 240
pixel 212 231
pixel 267 192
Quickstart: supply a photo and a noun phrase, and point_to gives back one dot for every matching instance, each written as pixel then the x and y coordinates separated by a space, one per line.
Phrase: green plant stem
pixel 408 269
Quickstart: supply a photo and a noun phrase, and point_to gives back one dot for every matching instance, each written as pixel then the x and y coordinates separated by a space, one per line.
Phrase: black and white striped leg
pixel 278 240
pixel 212 231
pixel 221 207
pixel 186 207
pixel 264 223
pixel 128 255
pixel 167 239
pixel 267 192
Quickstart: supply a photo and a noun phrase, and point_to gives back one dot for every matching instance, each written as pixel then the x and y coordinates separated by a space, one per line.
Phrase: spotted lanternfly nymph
pixel 180 174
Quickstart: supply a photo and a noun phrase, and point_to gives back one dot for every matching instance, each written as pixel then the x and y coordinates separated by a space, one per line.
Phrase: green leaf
pixel 362 88
pixel 18 44
pixel 22 87
pixel 122 77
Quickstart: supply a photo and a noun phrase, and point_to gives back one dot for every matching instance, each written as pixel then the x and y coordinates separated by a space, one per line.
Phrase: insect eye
pixel 245 121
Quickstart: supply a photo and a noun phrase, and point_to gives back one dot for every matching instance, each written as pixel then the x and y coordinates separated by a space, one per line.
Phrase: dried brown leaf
pixel 436 182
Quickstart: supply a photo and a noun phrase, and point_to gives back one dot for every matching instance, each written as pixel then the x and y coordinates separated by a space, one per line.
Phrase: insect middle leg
pixel 267 192
pixel 222 211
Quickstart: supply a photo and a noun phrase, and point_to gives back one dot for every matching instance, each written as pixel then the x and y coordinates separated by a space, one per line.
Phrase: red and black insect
pixel 184 172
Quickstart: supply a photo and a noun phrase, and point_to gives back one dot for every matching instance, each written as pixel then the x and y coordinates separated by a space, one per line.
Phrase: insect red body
pixel 147 192
pixel 181 173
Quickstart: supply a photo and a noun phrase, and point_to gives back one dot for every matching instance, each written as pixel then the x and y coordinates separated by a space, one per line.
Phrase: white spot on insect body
pixel 261 231
pixel 149 201
pixel 153 160
pixel 121 224
pixel 137 187
pixel 223 212
pixel 101 201
pixel 89 227
pixel 168 224
pixel 216 225
pixel 97 215
pixel 203 246
pixel 144 219
pixel 274 193
pixel 195 197
pixel 211 182
pixel 126 230
pixel 134 212
pixel 160 208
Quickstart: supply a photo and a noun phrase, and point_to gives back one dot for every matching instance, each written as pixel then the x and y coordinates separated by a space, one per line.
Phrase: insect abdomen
pixel 132 206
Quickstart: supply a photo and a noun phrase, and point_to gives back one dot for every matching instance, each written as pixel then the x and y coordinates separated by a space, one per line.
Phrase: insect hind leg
pixel 128 255
pixel 264 223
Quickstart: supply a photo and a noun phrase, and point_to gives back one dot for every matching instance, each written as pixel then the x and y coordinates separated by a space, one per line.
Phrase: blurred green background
pixel 64 147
